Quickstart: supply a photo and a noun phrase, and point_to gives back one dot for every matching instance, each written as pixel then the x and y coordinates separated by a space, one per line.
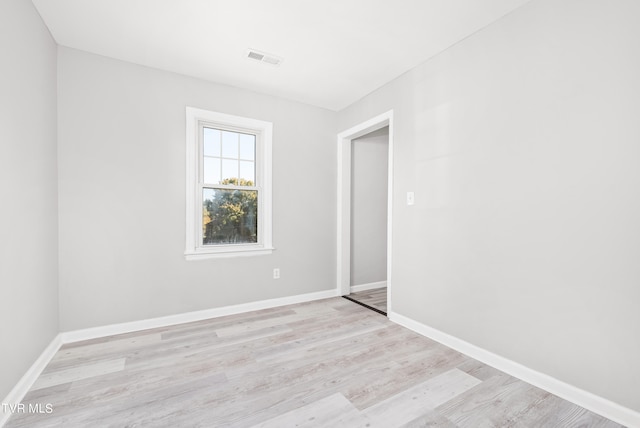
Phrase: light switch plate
pixel 411 198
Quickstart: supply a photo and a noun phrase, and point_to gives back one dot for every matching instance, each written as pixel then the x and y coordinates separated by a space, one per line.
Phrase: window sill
pixel 220 253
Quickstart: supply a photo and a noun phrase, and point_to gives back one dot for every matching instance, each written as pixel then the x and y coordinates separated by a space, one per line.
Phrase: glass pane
pixel 229 144
pixel 229 216
pixel 247 146
pixel 211 142
pixel 211 170
pixel 247 173
pixel 229 171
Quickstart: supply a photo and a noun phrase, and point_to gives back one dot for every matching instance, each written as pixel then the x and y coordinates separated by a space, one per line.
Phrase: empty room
pixel 356 213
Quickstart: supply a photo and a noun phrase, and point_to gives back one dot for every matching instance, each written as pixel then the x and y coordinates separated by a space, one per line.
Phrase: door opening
pixel 365 166
pixel 369 188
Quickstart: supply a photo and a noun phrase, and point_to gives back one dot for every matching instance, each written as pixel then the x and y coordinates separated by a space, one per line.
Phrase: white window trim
pixel 195 251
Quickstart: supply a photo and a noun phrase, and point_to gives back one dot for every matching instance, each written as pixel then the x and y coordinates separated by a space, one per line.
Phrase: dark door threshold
pixel 366 306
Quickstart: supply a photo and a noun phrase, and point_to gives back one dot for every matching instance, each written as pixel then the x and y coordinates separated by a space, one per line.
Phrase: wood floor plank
pixel 407 369
pixel 420 399
pixel 479 370
pixel 431 419
pixel 333 411
pixel 79 372
pixel 198 327
pixel 94 352
pixel 498 401
pixel 556 412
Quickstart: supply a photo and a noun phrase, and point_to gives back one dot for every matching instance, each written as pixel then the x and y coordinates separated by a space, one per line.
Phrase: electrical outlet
pixel 276 273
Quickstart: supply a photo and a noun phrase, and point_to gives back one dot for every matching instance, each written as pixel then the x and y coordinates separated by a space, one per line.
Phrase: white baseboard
pixel 16 395
pixel 369 286
pixel 128 327
pixel 589 401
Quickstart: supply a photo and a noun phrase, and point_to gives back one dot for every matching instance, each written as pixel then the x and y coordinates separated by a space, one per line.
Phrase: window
pixel 228 185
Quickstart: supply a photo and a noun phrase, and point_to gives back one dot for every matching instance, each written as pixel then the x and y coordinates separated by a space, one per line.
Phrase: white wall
pixel 369 155
pixel 28 182
pixel 522 144
pixel 122 196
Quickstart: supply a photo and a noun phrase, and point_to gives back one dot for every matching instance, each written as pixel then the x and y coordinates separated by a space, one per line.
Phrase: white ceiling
pixel 335 51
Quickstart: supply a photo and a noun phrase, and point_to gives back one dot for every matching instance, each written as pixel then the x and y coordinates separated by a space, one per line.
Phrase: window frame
pixel 196 120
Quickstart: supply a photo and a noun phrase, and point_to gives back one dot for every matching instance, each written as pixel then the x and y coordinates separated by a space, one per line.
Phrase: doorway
pixel 365 153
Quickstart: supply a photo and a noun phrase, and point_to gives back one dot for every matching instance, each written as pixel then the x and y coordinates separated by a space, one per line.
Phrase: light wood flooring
pixel 329 363
pixel 376 298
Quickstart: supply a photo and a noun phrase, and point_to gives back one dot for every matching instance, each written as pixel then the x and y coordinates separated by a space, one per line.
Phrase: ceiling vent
pixel 263 57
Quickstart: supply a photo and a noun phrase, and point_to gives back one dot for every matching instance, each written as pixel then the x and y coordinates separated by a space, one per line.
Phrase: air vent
pixel 263 57
pixel 255 55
